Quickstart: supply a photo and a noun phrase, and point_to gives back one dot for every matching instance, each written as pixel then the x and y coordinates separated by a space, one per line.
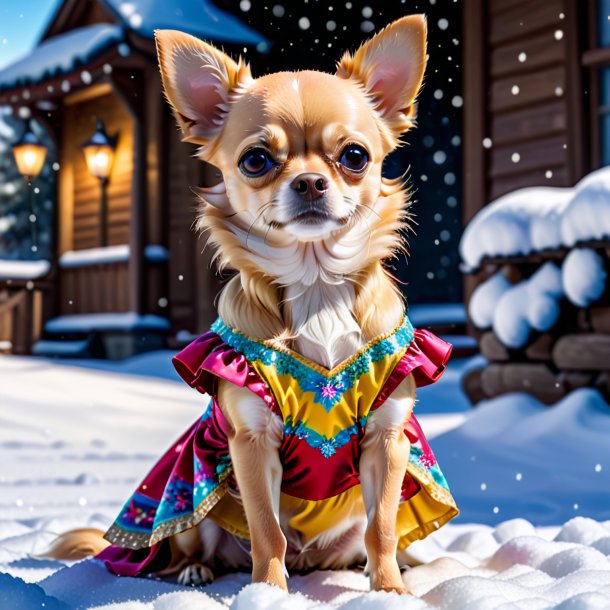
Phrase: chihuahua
pixel 304 215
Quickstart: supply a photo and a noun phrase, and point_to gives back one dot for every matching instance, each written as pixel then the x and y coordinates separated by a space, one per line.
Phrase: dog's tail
pixel 77 544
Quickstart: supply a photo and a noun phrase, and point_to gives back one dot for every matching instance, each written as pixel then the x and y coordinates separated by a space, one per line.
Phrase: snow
pixel 127 320
pixel 588 215
pixel 555 450
pixel 517 223
pixel 485 297
pixel 584 276
pixel 60 348
pixel 530 304
pixel 540 218
pixel 66 52
pixel 201 18
pixel 23 270
pixel 110 254
pixel 61 54
pixel 94 256
pixel 70 458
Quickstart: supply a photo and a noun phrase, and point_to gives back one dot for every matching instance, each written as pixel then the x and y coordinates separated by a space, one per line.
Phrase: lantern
pixel 30 154
pixel 99 154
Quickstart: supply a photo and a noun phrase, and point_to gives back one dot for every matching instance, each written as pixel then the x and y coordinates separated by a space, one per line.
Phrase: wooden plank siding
pixel 533 111
pixel 80 124
pixel 94 289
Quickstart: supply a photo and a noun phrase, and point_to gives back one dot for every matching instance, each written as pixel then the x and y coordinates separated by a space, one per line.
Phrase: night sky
pixel 307 34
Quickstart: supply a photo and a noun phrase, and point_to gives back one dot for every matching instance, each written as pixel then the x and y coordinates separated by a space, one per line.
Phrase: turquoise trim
pixel 420 460
pixel 327 445
pixel 327 390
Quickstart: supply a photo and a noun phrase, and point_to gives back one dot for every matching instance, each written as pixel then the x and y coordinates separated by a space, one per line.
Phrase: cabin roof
pixel 198 17
pixel 61 55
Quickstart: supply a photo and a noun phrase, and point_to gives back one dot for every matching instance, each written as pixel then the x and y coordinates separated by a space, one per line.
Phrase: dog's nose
pixel 310 186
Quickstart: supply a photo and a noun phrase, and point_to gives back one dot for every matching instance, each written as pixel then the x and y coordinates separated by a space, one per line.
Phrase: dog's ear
pixel 391 67
pixel 198 80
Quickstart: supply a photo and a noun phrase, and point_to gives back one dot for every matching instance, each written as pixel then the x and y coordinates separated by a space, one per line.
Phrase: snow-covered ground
pixel 75 440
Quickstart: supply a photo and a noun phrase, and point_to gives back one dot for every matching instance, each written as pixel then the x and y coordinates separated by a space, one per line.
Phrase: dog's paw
pixel 195 575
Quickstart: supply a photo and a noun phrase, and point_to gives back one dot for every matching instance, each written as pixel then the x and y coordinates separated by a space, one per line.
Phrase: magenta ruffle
pixel 208 358
pixel 426 359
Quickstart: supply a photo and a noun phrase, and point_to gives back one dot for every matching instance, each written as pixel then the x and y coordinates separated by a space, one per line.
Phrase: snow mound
pixel 585 601
pixel 504 227
pixel 584 276
pixel 582 531
pixel 485 298
pixel 515 310
pixel 16 594
pixel 531 304
pixel 588 214
pixel 539 218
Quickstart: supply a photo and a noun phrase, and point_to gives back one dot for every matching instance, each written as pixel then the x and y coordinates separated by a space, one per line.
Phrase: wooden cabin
pixel 96 60
pixel 536 113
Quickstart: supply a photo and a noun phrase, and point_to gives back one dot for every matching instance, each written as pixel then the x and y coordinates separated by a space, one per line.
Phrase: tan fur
pixel 320 288
pixel 77 544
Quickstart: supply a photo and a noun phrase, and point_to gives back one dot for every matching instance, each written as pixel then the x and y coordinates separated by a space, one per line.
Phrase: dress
pixel 324 414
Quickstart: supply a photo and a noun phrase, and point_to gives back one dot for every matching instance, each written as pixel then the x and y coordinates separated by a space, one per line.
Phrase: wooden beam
pixel 475 107
pixel 131 87
pixel 475 111
pixel 578 153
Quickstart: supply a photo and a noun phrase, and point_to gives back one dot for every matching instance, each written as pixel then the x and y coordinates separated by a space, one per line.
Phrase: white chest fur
pixel 322 318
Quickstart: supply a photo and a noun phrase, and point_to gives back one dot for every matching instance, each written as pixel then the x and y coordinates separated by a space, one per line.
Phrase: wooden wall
pixel 522 91
pixel 80 120
pixel 94 289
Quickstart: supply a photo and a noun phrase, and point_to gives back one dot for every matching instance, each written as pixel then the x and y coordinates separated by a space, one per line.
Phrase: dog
pixel 304 215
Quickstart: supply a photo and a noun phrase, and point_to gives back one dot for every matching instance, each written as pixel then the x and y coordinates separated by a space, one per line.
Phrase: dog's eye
pixel 354 158
pixel 255 162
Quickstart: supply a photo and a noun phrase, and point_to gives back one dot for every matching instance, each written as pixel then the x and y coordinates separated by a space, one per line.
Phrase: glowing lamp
pixel 99 153
pixel 30 154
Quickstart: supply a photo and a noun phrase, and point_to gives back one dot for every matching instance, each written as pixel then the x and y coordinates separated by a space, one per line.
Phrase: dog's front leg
pixel 254 447
pixel 383 462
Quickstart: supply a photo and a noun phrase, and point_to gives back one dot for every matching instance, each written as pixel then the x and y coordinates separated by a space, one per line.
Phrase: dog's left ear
pixel 391 67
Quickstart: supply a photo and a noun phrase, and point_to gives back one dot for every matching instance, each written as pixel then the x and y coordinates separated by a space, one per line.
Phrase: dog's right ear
pixel 198 80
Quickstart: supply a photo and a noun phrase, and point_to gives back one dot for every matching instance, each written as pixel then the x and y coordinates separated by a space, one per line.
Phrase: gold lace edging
pixel 137 540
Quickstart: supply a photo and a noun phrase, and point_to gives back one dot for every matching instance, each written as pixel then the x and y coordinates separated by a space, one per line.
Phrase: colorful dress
pixel 324 414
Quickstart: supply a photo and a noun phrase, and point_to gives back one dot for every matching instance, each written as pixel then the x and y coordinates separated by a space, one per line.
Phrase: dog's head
pixel 300 152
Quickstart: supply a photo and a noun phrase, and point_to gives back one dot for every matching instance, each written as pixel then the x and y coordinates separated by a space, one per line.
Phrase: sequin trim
pixel 328 387
pixel 327 445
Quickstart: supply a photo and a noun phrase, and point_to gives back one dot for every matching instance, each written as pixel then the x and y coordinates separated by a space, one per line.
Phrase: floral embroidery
pixel 205 482
pixel 138 514
pixel 327 391
pixel 428 463
pixel 177 499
